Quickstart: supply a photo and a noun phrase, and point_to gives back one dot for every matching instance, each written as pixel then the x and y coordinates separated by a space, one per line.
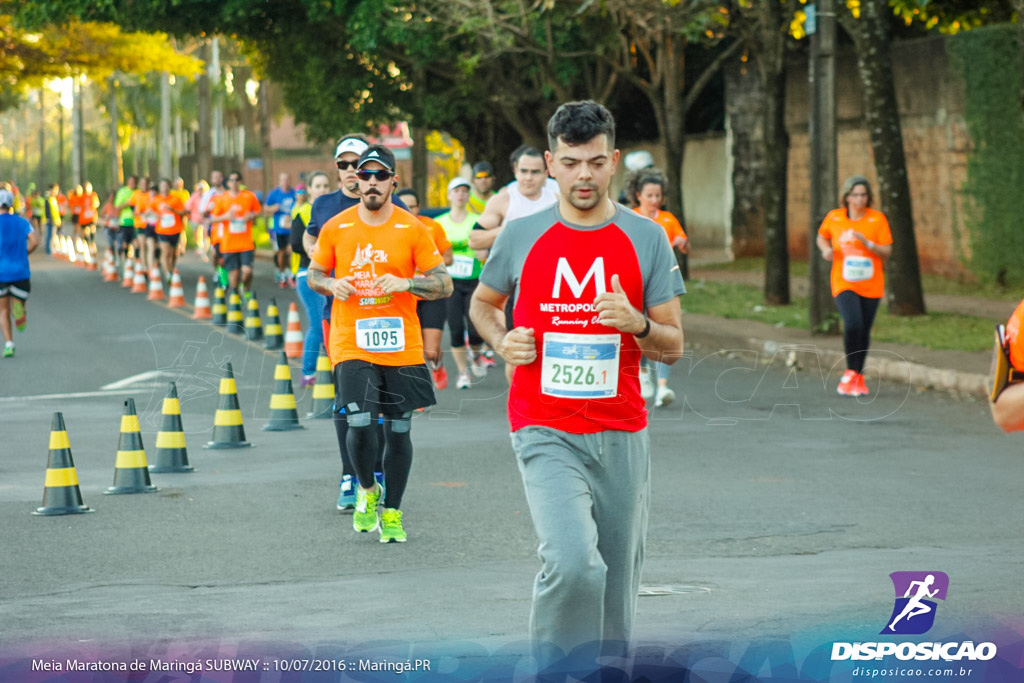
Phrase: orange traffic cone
pixel 109 268
pixel 61 495
pixel 131 473
pixel 283 414
pixel 176 297
pixel 273 339
pixel 171 454
pixel 220 309
pixel 293 333
pixel 323 388
pixel 139 283
pixel 87 257
pixel 129 273
pixel 201 307
pixel 228 430
pixel 253 324
pixel 156 285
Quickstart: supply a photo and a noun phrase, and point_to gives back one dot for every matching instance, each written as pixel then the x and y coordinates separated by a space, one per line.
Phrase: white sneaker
pixel 646 385
pixel 476 366
pixel 664 397
pixel 464 381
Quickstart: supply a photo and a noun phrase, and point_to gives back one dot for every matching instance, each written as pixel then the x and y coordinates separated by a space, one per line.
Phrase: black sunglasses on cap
pixel 346 165
pixel 382 175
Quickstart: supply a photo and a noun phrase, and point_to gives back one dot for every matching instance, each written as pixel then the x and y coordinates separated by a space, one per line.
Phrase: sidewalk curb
pixel 786 353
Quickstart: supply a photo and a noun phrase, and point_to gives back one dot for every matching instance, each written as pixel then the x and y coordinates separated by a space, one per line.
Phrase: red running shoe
pixel 846 384
pixel 860 387
pixel 440 377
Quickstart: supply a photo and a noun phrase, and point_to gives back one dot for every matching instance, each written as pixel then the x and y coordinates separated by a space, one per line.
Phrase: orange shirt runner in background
pixel 236 235
pixel 853 266
pixel 90 203
pixel 437 233
pixel 668 222
pixel 168 208
pixel 401 247
pixel 75 203
pixel 140 205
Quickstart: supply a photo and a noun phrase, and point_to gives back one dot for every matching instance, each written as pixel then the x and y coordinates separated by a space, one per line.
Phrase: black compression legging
pixel 858 314
pixel 341 428
pixel 363 448
pixel 458 314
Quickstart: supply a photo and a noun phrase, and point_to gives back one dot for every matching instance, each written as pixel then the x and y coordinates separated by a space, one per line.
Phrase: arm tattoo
pixel 436 283
pixel 317 281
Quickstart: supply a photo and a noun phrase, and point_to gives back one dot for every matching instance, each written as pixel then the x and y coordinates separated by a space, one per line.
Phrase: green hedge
pixel 988 61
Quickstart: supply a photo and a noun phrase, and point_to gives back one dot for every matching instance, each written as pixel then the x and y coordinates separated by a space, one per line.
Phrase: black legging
pixel 341 428
pixel 858 314
pixel 363 448
pixel 458 314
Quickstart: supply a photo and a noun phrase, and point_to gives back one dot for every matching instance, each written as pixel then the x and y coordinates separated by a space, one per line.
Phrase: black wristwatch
pixel 647 329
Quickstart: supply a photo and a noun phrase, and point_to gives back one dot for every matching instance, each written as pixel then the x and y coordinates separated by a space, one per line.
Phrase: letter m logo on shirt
pixel 563 271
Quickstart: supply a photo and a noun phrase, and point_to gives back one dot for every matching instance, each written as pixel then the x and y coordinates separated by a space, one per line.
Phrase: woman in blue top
pixel 17 241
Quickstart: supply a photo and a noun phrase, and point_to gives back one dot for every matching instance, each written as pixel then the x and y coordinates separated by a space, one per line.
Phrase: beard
pixel 374 200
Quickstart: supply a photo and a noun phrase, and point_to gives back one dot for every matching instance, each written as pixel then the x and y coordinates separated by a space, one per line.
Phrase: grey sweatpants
pixel 588 496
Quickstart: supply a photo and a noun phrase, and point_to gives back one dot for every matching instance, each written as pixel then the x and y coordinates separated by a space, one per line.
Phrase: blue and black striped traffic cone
pixel 235 319
pixel 228 431
pixel 220 308
pixel 253 324
pixel 273 335
pixel 131 473
pixel 283 414
pixel 323 389
pixel 171 453
pixel 61 495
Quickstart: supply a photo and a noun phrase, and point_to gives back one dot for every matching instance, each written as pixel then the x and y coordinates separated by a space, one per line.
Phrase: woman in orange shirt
pixel 857 240
pixel 648 194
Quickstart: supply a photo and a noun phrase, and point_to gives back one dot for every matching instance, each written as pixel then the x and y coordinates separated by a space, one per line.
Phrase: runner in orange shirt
pixel 169 225
pixel 857 240
pixel 432 314
pixel 648 196
pixel 88 205
pixel 236 209
pixel 75 201
pixel 375 249
pixel 140 206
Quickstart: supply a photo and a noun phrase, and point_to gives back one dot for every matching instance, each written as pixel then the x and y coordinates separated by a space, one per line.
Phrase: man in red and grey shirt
pixel 596 288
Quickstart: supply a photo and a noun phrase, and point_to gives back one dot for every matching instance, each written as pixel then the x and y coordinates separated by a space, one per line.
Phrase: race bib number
pixel 167 220
pixel 461 267
pixel 380 335
pixel 858 268
pixel 237 227
pixel 581 366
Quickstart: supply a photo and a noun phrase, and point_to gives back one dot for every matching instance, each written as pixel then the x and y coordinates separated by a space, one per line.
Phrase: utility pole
pixel 203 151
pixel 823 167
pixel 41 184
pixel 164 145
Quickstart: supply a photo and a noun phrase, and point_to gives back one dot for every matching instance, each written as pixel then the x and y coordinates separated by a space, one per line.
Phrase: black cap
pixel 482 169
pixel 378 153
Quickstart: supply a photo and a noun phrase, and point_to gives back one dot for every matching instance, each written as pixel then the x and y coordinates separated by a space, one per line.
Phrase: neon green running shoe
pixel 391 530
pixel 366 518
pixel 20 317
pixel 9 351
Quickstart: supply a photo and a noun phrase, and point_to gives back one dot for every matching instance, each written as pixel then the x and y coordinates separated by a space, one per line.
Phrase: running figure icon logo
pixel 916 595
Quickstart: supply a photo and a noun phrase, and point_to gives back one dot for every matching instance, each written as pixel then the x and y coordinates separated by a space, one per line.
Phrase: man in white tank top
pixel 530 193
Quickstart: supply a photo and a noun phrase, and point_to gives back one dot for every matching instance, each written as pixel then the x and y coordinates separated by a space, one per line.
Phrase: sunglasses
pixel 483 174
pixel 381 175
pixel 346 165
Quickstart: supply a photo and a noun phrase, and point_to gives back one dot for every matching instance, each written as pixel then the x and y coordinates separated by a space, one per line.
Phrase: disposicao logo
pixel 916 595
pixel 913 614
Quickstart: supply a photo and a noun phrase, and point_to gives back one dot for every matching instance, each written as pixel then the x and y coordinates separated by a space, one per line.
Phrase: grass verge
pixel 939 331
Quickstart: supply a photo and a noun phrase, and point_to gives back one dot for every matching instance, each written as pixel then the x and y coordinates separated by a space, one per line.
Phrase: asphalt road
pixel 779 510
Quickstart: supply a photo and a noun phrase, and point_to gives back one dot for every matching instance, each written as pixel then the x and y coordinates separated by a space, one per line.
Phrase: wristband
pixel 410 286
pixel 646 330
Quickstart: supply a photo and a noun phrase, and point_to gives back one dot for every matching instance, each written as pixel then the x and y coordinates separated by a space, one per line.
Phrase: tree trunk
pixel 266 149
pixel 776 155
pixel 204 147
pixel 881 113
pixel 116 164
